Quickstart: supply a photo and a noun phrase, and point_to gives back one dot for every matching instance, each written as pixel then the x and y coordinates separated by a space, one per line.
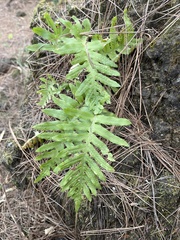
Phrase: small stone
pixel 5 64
pixel 20 14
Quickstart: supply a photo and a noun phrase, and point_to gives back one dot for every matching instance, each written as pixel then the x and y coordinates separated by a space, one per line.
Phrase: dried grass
pixel 127 207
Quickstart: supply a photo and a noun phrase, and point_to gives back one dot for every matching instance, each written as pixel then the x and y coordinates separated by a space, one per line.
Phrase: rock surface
pixel 161 86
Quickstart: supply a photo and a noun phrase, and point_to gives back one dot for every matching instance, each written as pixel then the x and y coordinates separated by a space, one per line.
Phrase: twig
pixel 108 230
pixel 12 215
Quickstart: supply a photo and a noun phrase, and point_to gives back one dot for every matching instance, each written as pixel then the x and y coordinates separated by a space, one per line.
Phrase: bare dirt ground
pixel 15 35
pixel 15 17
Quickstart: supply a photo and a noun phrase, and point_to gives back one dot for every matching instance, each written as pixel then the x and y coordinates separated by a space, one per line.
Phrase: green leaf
pixel 47 90
pixel 42 47
pixel 95 168
pixel 85 85
pixel 102 59
pixel 101 131
pixel 99 144
pixel 55 113
pixel 75 71
pixel 106 80
pixel 74 189
pixel 76 29
pixel 45 34
pixel 71 161
pixel 65 101
pixel 35 47
pixel 95 45
pixel 67 178
pixel 48 165
pixel 51 125
pixel 94 103
pixel 97 157
pixel 44 155
pixel 50 146
pixel 42 175
pixel 87 192
pixel 92 187
pixel 78 148
pixel 46 135
pixel 77 201
pixel 72 137
pixel 71 185
pixel 112 120
pixel 94 179
pixel 106 70
pixel 78 113
pixel 66 23
pixel 70 46
pixel 50 22
pixel 80 58
pixel 113 32
pixel 60 125
pixel 86 24
pixel 128 23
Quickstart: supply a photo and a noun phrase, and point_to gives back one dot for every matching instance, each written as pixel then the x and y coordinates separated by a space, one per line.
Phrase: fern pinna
pixel 75 139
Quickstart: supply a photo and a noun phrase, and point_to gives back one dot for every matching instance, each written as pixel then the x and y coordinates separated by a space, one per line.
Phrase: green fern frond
pixel 48 89
pixel 86 153
pixel 75 138
pixel 124 42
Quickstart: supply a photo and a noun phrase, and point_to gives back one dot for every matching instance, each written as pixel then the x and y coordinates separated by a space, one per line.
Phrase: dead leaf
pixel 49 230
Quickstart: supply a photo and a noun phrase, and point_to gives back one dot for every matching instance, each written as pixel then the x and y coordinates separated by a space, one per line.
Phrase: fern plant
pixel 75 135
